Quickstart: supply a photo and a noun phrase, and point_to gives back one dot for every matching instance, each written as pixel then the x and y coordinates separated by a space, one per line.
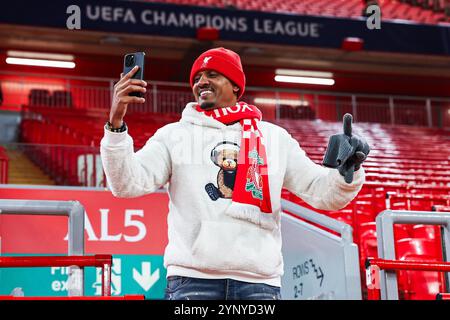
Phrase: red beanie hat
pixel 224 61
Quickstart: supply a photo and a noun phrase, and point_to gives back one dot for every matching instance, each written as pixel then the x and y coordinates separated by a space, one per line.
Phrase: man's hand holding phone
pixel 121 97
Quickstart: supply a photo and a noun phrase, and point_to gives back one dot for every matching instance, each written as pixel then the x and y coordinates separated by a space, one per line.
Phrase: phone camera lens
pixel 129 60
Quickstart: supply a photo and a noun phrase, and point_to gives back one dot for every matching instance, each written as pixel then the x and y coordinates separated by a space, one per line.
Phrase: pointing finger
pixel 348 118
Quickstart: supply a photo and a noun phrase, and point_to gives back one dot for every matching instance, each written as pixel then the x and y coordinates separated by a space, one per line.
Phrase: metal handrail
pixel 343 229
pixel 74 210
pixel 249 88
pixel 386 243
pixel 373 266
pixel 102 261
pixel 408 265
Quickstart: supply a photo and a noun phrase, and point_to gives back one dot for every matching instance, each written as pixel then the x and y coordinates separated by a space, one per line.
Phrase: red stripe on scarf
pixel 252 182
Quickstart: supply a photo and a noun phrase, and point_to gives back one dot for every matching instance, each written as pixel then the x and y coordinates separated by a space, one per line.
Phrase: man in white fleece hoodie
pixel 225 170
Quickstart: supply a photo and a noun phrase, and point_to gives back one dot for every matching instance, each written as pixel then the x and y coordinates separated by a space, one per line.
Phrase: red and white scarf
pixel 251 196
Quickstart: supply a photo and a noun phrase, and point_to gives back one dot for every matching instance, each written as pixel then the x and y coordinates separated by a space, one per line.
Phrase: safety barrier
pixel 75 212
pixel 386 247
pixel 75 278
pixel 318 263
pixel 373 267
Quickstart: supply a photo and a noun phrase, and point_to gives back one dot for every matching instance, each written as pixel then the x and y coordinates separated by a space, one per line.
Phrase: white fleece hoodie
pixel 204 242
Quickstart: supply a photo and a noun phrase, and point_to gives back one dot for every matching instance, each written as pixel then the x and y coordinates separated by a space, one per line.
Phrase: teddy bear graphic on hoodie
pixel 224 155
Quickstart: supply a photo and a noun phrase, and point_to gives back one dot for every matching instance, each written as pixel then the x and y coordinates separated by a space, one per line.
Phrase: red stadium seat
pixel 426 232
pixel 419 285
pixel 368 239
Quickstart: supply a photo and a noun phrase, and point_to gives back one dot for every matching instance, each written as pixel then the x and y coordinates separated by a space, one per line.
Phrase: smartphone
pixel 135 59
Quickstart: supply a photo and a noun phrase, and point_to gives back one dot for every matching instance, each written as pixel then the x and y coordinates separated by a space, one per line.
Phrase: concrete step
pixel 26 173
pixel 29 180
pixel 29 177
pixel 36 183
pixel 22 170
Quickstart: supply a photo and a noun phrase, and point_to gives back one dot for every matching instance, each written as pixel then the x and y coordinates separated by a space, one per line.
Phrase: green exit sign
pixel 130 274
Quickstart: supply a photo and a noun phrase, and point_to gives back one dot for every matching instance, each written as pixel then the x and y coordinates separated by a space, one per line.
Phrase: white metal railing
pixel 170 97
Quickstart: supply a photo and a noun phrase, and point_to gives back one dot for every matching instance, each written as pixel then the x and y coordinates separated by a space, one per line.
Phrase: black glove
pixel 346 152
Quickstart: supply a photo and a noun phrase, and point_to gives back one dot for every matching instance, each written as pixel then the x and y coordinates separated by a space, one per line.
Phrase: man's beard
pixel 207 105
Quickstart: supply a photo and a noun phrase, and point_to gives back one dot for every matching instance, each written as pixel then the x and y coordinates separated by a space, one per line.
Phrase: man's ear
pixel 235 89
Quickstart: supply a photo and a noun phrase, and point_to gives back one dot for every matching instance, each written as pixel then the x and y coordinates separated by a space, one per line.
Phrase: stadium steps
pixel 22 170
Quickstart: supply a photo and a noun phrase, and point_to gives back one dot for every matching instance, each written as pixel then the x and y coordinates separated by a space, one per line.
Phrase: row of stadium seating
pixel 430 12
pixel 63 135
pixel 399 154
pixel 43 97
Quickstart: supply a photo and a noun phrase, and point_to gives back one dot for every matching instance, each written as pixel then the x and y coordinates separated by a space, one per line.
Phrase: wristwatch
pixel 109 127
